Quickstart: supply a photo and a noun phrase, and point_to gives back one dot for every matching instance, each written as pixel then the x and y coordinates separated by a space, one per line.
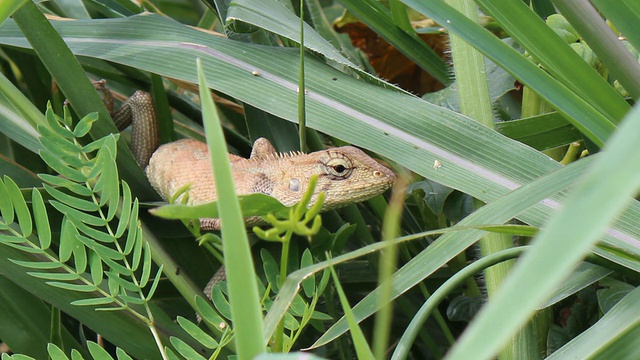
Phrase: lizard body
pixel 345 174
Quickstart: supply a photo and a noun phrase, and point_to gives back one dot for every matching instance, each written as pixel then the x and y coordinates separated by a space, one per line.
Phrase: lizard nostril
pixel 377 173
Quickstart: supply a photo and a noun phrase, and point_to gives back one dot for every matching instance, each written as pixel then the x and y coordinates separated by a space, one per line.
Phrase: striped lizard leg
pixel 138 111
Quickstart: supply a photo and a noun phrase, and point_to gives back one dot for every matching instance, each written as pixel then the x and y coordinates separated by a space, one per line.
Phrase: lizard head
pixel 347 175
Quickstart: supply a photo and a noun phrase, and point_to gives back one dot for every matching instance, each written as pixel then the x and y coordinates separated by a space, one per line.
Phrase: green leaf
pixel 154 284
pixel 55 125
pixel 146 266
pixel 208 313
pixel 133 235
pixel 66 183
pixel 143 247
pixel 125 213
pixel 103 251
pixel 6 206
pixel 93 302
pixel 94 233
pixel 515 230
pixel 122 355
pixel 116 267
pixel 24 248
pixel 309 284
pixel 84 125
pixel 127 285
pixel 62 148
pixel 26 320
pixel 61 168
pixel 557 57
pixel 597 127
pixel 78 216
pixel 42 265
pixel 584 275
pixel 73 82
pixel 41 219
pixel 197 333
pixel 220 301
pixel 55 276
pixel 276 18
pixel 11 239
pixel 585 216
pixel 540 132
pixel 243 292
pixel 120 327
pixel 251 205
pixel 132 300
pixel 445 248
pixel 362 348
pixel 624 15
pixel 71 200
pixel 68 241
pixel 612 292
pixel 138 245
pixel 20 207
pixel 398 126
pixel 75 355
pixel 95 265
pixel 98 352
pixel 185 350
pixel 73 287
pixel 56 353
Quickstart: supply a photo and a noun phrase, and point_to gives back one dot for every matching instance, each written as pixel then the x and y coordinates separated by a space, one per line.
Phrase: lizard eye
pixel 339 168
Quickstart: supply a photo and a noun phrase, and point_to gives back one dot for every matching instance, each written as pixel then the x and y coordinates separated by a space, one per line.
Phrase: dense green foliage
pixel 499 158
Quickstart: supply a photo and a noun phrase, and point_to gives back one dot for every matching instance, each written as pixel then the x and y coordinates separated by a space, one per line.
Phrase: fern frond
pixel 100 234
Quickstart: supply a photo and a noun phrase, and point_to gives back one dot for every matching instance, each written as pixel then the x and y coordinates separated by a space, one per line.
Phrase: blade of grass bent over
pixel 241 280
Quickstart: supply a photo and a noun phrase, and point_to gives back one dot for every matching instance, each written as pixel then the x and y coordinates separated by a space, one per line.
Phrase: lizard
pixel 345 174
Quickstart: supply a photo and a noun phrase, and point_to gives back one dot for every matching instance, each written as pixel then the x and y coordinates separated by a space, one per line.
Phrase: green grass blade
pixel 359 341
pixel 541 132
pixel 449 245
pixel 71 79
pixel 280 20
pixel 625 15
pixel 18 116
pixel 594 204
pixel 556 56
pixel 592 27
pixel 243 290
pixel 597 127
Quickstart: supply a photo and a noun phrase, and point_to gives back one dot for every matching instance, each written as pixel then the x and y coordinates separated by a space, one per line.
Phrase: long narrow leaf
pixel 601 195
pixel 243 290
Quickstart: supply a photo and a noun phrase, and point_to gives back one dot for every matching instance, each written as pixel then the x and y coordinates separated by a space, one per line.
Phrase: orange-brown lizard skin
pixel 345 174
